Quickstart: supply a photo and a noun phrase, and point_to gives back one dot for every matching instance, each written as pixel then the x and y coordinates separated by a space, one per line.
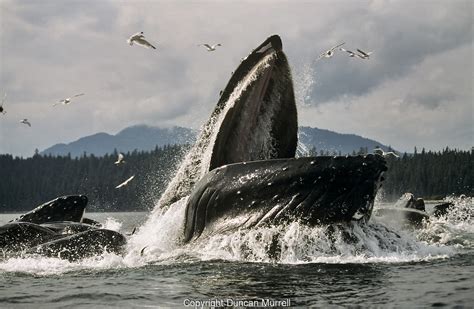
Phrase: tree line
pixel 28 182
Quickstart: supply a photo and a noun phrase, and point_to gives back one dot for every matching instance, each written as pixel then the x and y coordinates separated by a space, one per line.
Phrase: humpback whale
pixel 57 228
pixel 242 171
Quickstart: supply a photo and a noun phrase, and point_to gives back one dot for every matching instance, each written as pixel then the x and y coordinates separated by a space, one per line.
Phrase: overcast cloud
pixel 416 90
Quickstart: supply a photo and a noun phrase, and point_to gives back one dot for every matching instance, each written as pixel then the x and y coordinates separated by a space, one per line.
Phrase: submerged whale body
pixel 58 229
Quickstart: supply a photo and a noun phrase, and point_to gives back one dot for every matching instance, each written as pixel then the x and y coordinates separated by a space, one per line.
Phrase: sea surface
pixel 377 264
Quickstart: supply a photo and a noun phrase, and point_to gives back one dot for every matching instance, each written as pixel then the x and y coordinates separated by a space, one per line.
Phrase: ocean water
pixel 374 264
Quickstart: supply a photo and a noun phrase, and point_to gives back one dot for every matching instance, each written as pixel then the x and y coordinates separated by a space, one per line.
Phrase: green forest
pixel 28 182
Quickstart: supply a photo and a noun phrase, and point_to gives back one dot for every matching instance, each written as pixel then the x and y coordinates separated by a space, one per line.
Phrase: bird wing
pixel 125 182
pixel 25 121
pixel 339 45
pixel 136 36
pixel 120 157
pixel 362 52
pixel 208 46
pixel 144 43
pixel 322 55
pixel 78 95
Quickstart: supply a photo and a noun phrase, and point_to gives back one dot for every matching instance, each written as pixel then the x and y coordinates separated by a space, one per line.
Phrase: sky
pixel 415 90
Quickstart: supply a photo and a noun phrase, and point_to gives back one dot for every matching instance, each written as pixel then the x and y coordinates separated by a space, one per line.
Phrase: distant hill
pixel 336 142
pixel 142 137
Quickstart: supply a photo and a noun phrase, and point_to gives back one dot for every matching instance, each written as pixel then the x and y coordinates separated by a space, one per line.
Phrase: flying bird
pixel 67 100
pixel 382 153
pixel 210 47
pixel 330 52
pixel 25 121
pixel 364 55
pixel 139 39
pixel 123 184
pixel 351 53
pixel 2 110
pixel 120 159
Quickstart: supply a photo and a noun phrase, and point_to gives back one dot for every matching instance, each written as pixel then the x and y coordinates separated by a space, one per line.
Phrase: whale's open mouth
pixel 254 119
pixel 260 119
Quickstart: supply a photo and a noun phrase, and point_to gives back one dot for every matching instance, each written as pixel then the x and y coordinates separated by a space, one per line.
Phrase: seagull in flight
pixel 351 53
pixel 67 100
pixel 139 39
pixel 120 159
pixel 379 151
pixel 25 121
pixel 330 52
pixel 123 184
pixel 2 110
pixel 364 55
pixel 210 47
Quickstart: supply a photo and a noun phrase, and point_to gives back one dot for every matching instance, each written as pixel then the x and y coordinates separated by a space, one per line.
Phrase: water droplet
pixel 312 162
pixel 238 192
pixel 285 168
pixel 269 183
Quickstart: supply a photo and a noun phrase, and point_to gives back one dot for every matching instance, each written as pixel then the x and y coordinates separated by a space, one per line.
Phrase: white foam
pixel 112 224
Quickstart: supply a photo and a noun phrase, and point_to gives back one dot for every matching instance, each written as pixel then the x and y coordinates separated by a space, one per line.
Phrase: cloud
pixel 430 107
pixel 53 49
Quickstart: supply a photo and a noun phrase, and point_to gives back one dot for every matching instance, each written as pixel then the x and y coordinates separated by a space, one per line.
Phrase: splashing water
pixel 302 150
pixel 112 224
pixel 159 242
pixel 455 228
pixel 304 82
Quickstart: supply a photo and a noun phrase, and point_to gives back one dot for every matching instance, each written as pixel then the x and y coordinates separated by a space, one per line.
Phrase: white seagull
pixel 379 151
pixel 139 39
pixel 25 121
pixel 125 182
pixel 66 101
pixel 330 52
pixel 351 53
pixel 364 55
pixel 210 47
pixel 120 159
pixel 2 110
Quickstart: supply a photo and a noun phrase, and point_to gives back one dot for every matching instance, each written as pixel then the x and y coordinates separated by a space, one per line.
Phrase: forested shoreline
pixel 28 182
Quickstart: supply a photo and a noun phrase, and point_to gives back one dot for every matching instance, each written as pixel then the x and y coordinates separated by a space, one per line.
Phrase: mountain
pixel 143 137
pixel 140 137
pixel 334 142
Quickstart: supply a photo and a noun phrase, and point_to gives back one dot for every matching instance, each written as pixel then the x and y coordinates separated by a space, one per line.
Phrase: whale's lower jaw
pixel 310 190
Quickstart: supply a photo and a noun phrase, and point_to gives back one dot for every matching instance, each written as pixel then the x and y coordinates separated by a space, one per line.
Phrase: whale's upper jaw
pixel 258 109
